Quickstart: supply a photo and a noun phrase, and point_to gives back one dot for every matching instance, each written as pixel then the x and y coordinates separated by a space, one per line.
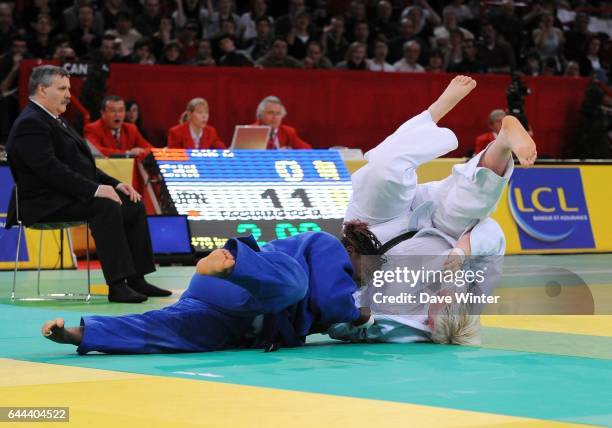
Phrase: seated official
pixel 495 123
pixel 270 112
pixel 58 181
pixel 194 131
pixel 112 135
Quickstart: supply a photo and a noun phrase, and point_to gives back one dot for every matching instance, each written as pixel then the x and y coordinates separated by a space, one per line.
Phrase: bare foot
pixel 54 330
pixel 516 138
pixel 456 90
pixel 218 263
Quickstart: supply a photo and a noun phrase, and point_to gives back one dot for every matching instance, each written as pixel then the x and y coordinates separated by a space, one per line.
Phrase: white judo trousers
pixel 387 196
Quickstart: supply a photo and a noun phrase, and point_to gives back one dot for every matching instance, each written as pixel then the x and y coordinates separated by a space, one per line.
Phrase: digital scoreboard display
pixel 270 194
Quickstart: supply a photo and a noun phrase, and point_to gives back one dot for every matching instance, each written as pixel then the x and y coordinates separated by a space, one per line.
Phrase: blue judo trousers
pixel 300 284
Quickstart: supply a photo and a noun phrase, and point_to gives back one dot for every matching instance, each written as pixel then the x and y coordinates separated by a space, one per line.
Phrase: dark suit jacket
pixel 51 164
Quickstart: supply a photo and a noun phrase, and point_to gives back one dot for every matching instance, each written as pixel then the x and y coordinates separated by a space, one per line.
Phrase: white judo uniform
pixel 387 197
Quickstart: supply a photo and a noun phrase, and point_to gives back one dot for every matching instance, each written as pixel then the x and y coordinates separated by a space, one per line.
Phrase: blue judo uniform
pixel 300 285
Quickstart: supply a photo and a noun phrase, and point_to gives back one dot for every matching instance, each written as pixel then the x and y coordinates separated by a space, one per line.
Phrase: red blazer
pixel 288 138
pixel 482 141
pixel 179 137
pixel 101 136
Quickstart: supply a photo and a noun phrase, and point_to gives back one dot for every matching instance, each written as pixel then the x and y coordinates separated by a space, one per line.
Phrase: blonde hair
pixel 455 325
pixel 191 106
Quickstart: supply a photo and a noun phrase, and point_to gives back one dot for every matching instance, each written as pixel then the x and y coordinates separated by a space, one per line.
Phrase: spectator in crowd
pixel 533 64
pixel 212 19
pixel 111 11
pixel 64 53
pixel 84 38
pixel 278 58
pixel 385 25
pixel 163 36
pixel 494 53
pixel 9 81
pixel 109 51
pixel 495 122
pixel 507 24
pixel 356 56
pixel 39 44
pixel 187 40
pixel 315 57
pixel 271 112
pixel 356 13
pixel 148 22
pixel 590 64
pixel 442 33
pixel 379 61
pixel 550 67
pixel 143 52
pixel 132 115
pixel 246 23
pixel 261 44
pixel 299 36
pixel 203 56
pixel 172 55
pixel 230 57
pixel 548 40
pixel 576 39
pixel 470 62
pixel 335 44
pixel 193 132
pixel 435 62
pixel 453 54
pixel 112 135
pixel 71 17
pixel 189 12
pixel 572 69
pixel 423 16
pixel 29 14
pixel 283 24
pixel 407 33
pixel 124 31
pixel 361 34
pixel 460 10
pixel 410 64
pixel 7 29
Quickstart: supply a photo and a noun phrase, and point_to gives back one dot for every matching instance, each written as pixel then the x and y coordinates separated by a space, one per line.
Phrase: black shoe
pixel 121 293
pixel 141 286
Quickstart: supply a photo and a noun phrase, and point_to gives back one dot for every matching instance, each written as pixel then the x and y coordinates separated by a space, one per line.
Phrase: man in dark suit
pixel 57 180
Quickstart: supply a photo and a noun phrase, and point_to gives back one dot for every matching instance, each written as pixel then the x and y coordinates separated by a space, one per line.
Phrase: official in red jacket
pixel 112 136
pixel 194 132
pixel 495 123
pixel 271 112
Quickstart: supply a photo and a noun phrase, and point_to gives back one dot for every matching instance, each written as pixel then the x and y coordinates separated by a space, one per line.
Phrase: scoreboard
pixel 270 194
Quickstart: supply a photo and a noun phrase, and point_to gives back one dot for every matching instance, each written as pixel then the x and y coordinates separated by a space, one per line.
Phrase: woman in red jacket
pixel 193 131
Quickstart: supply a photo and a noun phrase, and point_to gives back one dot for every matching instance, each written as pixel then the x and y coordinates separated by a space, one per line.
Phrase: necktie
pixel 273 143
pixel 117 136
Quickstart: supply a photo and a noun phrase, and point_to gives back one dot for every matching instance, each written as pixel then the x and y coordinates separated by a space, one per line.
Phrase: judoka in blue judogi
pixel 274 296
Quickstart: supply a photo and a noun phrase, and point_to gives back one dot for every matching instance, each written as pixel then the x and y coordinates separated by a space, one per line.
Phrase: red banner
pixel 345 108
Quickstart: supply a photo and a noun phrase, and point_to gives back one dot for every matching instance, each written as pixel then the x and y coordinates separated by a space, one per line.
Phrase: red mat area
pixel 93 264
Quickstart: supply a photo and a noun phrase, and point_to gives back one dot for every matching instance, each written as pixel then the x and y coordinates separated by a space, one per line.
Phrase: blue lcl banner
pixel 549 208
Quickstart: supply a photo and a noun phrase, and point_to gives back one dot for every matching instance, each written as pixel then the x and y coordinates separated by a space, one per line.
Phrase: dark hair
pixel 123 16
pixel 109 98
pixel 43 75
pixel 357 235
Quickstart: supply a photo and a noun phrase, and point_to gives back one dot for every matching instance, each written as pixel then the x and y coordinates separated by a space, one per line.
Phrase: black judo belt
pixel 397 240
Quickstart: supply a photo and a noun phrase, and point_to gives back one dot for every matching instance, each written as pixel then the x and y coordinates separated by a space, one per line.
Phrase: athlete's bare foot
pixel 218 263
pixel 456 90
pixel 516 138
pixel 54 330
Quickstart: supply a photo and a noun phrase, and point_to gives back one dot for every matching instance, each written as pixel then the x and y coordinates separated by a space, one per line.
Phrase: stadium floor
pixel 530 370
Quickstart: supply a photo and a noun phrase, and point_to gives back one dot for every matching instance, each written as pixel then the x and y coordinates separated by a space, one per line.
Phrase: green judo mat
pixel 554 376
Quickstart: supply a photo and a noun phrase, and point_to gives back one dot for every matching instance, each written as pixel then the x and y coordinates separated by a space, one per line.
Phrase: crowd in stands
pixel 534 37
